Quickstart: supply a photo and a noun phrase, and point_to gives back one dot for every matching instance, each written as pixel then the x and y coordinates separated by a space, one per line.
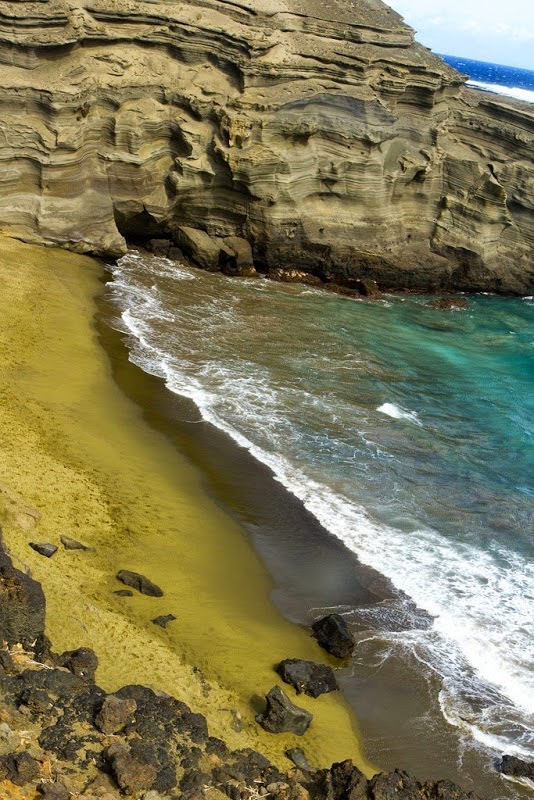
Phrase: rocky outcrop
pixel 63 736
pixel 320 133
pixel 22 604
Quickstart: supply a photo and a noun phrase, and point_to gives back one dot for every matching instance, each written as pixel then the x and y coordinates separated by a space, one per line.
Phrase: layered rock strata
pixel 320 133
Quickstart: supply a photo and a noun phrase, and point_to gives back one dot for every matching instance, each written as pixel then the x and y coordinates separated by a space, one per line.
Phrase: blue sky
pixel 501 31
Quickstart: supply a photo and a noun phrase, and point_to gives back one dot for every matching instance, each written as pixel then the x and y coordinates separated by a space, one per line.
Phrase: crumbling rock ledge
pixel 320 133
pixel 63 736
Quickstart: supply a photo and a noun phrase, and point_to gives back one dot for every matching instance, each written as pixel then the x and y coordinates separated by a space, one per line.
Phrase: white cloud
pixel 489 30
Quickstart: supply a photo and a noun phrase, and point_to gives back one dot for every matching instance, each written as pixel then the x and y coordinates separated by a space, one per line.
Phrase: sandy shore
pixel 78 458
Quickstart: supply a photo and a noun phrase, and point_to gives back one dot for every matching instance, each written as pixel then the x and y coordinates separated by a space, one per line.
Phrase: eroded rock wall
pixel 322 133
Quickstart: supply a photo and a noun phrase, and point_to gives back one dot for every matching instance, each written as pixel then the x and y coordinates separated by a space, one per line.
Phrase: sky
pixel 499 31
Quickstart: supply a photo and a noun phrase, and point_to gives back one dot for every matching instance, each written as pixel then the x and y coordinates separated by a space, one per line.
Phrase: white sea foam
pixel 508 91
pixel 396 412
pixel 482 601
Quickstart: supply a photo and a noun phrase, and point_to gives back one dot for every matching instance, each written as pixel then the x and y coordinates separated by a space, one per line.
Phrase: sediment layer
pixel 321 133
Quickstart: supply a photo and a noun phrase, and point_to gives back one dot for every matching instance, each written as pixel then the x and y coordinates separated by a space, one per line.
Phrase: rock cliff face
pixel 318 131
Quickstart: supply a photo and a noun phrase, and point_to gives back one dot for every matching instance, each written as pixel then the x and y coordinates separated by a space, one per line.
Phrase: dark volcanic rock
pixel 44 549
pixel 282 716
pixel 54 791
pixel 82 662
pixel 517 768
pixel 159 717
pixel 123 593
pixel 22 605
pixel 115 714
pixel 449 303
pixel 74 544
pixel 164 620
pixel 132 774
pixel 343 781
pixel 139 582
pixel 306 676
pixel 298 757
pixel 160 247
pixel 19 768
pixel 333 635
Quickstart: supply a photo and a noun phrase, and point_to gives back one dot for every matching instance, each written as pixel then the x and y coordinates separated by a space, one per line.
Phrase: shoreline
pixel 150 410
pixel 403 694
pixel 84 463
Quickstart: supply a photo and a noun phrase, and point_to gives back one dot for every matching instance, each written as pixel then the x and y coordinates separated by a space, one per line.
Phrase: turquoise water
pixel 405 429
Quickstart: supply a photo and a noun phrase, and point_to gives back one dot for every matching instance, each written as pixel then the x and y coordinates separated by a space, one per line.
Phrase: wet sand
pixel 79 458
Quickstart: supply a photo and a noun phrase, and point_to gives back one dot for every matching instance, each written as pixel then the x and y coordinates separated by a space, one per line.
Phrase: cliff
pixel 322 133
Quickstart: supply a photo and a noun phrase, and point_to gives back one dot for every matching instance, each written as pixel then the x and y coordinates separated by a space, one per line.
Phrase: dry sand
pixel 77 458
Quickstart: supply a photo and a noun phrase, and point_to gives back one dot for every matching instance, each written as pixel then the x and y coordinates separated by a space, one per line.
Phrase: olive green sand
pixel 77 458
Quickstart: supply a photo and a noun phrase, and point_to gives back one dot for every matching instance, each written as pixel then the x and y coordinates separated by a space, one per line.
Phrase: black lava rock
pixel 282 716
pixel 164 620
pixel 115 714
pixel 82 662
pixel 22 605
pixel 139 582
pixel 306 676
pixel 19 768
pixel 333 635
pixel 44 549
pixel 517 768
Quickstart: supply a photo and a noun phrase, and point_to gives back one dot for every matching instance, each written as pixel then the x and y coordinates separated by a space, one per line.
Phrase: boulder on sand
pixel 281 716
pixel 333 635
pixel 44 548
pixel 164 620
pixel 306 676
pixel 139 582
pixel 74 544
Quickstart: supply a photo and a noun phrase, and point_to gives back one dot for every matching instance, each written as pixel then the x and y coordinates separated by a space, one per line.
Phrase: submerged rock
pixel 139 582
pixel 44 549
pixel 282 716
pixel 449 303
pixel 306 676
pixel 333 635
pixel 517 768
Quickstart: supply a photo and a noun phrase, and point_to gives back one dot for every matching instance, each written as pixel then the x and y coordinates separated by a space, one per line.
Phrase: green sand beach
pixel 77 458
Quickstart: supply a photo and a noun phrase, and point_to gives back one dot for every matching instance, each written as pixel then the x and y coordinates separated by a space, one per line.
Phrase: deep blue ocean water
pixel 497 78
pixel 406 430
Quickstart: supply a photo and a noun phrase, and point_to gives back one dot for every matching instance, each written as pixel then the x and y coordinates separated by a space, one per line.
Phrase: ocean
pixel 497 78
pixel 407 432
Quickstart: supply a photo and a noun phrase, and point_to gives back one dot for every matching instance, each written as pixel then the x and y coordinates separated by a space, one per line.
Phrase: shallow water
pixel 407 431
